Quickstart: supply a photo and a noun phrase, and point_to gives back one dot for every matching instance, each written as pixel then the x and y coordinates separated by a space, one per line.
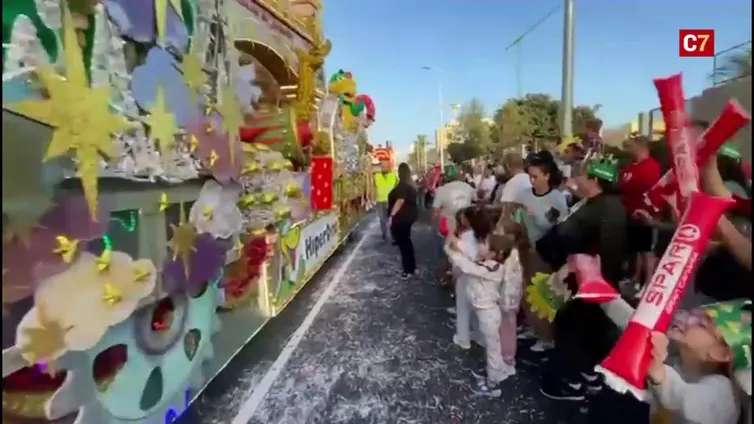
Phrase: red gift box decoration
pixel 321 183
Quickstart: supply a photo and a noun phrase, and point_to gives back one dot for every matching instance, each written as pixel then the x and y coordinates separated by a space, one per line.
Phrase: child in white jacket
pixel 481 277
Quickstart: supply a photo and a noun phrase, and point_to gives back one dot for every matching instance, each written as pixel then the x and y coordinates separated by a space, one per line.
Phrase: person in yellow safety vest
pixel 385 181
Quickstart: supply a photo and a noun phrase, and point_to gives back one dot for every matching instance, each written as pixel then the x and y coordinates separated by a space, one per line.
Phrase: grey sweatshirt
pixel 707 400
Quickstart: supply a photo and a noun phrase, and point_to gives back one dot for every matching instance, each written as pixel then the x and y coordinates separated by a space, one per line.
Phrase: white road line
pixel 251 404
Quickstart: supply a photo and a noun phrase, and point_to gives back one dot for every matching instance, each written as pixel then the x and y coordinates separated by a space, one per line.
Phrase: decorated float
pixel 174 172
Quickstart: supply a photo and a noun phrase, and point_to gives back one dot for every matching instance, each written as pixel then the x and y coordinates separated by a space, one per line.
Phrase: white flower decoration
pixel 215 211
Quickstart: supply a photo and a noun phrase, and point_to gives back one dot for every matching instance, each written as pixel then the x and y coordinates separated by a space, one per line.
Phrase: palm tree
pixel 733 66
pixel 420 151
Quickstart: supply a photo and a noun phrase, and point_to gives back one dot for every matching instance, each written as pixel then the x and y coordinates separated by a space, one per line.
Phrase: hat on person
pixel 568 142
pixel 729 150
pixel 605 168
pixel 732 321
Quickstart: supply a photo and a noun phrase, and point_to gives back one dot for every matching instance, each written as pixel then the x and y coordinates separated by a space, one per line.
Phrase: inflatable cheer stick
pixel 592 286
pixel 625 369
pixel 682 152
pixel 732 119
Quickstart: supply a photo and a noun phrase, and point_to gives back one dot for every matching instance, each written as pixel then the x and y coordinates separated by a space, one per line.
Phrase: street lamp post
pixel 566 126
pixel 517 44
pixel 441 129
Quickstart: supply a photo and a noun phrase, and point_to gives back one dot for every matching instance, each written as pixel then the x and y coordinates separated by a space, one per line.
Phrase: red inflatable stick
pixel 732 119
pixel 592 286
pixel 682 152
pixel 625 369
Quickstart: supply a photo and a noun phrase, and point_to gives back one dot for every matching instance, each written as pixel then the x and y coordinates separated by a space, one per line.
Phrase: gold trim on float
pixel 287 17
pixel 288 68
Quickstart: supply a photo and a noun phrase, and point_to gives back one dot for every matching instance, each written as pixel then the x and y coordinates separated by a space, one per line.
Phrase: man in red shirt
pixel 636 179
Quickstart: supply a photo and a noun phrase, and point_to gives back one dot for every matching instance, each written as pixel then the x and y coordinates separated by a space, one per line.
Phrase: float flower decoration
pixel 187 272
pixel 215 211
pixel 545 295
pixel 137 20
pixel 160 74
pixel 33 251
pixel 95 300
pixel 213 148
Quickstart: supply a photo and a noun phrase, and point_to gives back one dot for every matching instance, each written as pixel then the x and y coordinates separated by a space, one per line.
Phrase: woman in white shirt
pixel 544 203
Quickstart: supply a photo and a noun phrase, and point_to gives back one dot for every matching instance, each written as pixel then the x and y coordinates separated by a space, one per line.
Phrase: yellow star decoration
pixel 193 71
pixel 232 118
pixel 111 295
pixel 182 243
pixel 141 272
pixel 103 261
pixel 44 341
pixel 79 114
pixel 66 248
pixel 163 201
pixel 161 122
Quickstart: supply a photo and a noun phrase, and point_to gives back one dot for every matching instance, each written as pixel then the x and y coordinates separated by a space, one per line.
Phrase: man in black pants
pixel 583 334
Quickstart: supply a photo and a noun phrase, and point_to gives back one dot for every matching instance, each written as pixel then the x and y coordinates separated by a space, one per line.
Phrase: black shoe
pixel 407 275
pixel 594 382
pixel 563 390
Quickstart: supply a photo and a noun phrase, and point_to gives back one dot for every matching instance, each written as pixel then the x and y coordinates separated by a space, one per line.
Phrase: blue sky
pixel 620 46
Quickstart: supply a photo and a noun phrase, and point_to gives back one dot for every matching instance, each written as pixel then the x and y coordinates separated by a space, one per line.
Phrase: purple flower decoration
pixel 136 19
pixel 160 69
pixel 206 262
pixel 214 148
pixel 26 262
pixel 70 217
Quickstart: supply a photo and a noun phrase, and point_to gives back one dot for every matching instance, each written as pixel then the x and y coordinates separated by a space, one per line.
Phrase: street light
pixel 441 129
pixel 517 44
pixel 566 126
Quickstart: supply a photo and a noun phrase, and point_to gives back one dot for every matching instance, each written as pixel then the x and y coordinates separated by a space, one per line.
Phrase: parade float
pixel 174 172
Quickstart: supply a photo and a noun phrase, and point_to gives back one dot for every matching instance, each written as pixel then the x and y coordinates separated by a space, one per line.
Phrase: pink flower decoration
pixel 214 148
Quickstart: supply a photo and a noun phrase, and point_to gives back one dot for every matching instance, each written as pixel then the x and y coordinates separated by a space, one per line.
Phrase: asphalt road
pixel 376 349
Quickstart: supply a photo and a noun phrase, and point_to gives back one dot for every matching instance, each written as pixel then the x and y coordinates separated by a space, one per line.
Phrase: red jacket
pixel 636 179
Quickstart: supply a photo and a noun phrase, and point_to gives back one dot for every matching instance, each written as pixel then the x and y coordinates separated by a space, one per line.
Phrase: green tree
pixel 473 128
pixel 533 118
pixel 417 158
pixel 461 152
pixel 733 66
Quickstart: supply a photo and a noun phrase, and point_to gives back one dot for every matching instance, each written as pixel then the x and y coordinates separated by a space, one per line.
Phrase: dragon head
pixel 342 84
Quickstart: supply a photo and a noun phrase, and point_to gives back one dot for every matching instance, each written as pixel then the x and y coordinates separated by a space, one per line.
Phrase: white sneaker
pixel 526 335
pixel 640 293
pixel 451 310
pixel 463 344
pixel 541 346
